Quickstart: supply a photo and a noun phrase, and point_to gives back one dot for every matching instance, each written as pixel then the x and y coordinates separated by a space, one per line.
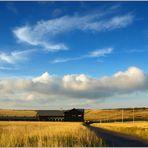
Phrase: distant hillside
pixel 92 114
pixel 8 112
pixel 116 114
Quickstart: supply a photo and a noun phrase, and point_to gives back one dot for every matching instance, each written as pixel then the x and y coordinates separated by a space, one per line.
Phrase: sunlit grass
pixel 116 114
pixel 91 114
pixel 43 134
pixel 9 112
pixel 138 129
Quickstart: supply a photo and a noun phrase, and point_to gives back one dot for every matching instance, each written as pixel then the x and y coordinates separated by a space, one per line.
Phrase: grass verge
pixel 137 129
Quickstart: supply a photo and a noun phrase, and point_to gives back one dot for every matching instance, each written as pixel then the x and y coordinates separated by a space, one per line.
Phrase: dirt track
pixel 114 139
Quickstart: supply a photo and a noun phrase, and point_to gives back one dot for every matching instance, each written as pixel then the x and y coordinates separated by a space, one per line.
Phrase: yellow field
pixel 116 114
pixel 8 112
pixel 92 114
pixel 138 129
pixel 43 134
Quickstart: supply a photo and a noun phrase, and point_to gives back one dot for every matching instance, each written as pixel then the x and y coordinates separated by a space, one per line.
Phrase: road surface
pixel 114 139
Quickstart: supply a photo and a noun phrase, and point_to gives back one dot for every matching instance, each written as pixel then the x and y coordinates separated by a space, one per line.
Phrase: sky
pixel 60 55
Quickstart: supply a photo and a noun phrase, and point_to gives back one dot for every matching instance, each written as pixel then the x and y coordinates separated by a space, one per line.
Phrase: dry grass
pixel 138 129
pixel 43 134
pixel 8 112
pixel 116 114
pixel 91 114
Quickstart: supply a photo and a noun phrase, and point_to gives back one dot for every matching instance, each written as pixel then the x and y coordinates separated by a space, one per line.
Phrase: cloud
pixel 6 68
pixel 11 7
pixel 136 51
pixel 64 60
pixel 43 33
pixel 100 52
pixel 14 56
pixel 74 86
pixel 33 36
pixel 56 12
pixel 94 54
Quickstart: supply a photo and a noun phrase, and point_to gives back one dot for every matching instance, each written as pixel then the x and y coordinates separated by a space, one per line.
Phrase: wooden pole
pixel 122 116
pixel 133 115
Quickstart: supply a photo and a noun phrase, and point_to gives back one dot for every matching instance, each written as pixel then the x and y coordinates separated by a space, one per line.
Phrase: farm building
pixel 50 115
pixel 61 115
pixel 74 115
pixel 47 115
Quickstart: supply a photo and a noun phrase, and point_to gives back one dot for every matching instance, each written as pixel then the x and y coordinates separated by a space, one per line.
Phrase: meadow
pixel 137 129
pixel 96 115
pixel 47 134
pixel 10 112
pixel 114 115
pixel 70 134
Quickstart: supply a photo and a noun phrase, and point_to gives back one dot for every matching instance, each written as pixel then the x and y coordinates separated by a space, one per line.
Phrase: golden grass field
pixel 138 129
pixel 8 112
pixel 92 114
pixel 69 134
pixel 116 114
pixel 46 134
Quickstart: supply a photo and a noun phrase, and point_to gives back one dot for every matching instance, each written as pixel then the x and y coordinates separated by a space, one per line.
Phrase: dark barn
pixel 74 115
pixel 61 115
pixel 50 115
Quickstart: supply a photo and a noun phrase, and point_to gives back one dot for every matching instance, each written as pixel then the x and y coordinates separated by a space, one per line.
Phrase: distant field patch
pixel 113 115
pixel 7 112
pixel 97 115
pixel 47 134
pixel 138 129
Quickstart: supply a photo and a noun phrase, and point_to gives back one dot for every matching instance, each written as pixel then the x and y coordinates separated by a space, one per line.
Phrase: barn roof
pixel 74 109
pixel 57 112
pixel 50 112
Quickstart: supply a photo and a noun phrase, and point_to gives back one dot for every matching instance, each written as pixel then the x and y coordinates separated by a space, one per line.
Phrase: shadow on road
pixel 114 139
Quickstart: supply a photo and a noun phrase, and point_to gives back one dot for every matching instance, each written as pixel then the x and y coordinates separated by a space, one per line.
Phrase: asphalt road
pixel 114 139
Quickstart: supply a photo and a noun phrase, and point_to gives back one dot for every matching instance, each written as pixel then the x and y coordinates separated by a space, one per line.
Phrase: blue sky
pixel 78 45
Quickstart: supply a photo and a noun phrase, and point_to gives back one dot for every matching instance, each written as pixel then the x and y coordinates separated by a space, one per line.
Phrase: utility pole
pixel 107 116
pixel 122 115
pixel 133 115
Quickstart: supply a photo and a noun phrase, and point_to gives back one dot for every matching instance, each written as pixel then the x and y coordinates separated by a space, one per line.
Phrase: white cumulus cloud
pixel 74 86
